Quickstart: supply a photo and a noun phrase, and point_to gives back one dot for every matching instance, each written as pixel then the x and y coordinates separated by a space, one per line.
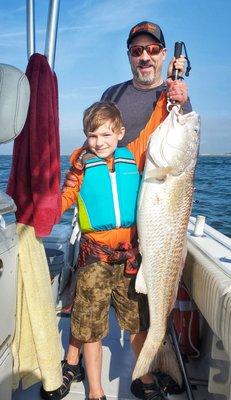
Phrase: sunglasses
pixel 151 49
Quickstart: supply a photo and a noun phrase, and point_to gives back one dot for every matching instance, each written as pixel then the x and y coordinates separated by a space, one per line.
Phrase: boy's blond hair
pixel 99 113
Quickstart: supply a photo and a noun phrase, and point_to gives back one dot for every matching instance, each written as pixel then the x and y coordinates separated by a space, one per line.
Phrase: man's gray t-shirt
pixel 136 106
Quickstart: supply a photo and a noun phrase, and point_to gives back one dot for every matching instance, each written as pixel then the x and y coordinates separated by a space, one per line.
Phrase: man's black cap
pixel 146 27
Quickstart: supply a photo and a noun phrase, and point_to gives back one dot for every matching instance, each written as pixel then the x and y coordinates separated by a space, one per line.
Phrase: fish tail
pixel 146 357
pixel 166 361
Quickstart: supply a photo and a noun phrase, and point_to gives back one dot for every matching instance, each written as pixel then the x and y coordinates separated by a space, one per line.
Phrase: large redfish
pixel 163 214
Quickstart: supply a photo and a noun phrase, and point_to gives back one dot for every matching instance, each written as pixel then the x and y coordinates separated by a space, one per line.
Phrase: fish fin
pixel 159 174
pixel 146 357
pixel 166 361
pixel 140 284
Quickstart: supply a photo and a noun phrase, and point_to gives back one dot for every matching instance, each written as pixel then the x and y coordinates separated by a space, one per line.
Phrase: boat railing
pixel 51 31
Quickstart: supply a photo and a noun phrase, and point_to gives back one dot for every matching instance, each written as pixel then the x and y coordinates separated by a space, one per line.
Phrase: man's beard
pixel 147 79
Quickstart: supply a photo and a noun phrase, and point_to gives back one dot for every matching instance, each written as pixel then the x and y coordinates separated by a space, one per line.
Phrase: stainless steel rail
pixel 30 19
pixel 51 31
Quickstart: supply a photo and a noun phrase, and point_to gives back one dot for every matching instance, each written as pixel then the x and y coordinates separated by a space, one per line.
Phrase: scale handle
pixel 177 53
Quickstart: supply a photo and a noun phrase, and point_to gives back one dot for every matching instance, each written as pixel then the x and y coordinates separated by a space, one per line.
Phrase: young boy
pixel 108 179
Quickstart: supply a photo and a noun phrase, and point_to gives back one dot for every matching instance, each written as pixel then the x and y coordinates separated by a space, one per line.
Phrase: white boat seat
pixel 14 102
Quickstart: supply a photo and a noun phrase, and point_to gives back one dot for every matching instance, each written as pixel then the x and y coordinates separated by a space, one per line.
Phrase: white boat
pixel 207 274
pixel 208 277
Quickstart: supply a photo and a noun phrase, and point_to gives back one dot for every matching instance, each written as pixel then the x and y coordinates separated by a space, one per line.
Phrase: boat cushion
pixel 14 101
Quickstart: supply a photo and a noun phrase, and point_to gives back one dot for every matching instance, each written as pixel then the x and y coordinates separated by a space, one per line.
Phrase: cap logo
pixel 147 27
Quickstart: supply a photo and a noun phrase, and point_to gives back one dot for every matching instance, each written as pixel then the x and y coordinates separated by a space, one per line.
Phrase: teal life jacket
pixel 108 200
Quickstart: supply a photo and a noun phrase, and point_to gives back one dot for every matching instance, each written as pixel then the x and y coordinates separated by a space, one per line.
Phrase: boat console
pixel 14 102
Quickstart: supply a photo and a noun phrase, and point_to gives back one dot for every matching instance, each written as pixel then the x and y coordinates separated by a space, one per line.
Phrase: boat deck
pixel 117 366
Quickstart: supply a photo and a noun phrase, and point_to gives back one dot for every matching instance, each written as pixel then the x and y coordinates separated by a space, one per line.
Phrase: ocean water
pixel 212 197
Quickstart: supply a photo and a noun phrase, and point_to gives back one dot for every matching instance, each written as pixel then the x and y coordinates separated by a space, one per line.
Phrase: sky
pixel 91 56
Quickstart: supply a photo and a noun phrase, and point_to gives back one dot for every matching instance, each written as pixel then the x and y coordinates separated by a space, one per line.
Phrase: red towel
pixel 34 181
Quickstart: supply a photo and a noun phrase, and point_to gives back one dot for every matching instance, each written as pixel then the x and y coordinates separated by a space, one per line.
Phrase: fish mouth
pixel 153 161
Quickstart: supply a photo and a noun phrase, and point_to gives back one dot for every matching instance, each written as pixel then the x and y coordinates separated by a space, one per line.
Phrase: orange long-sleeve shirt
pixel 138 147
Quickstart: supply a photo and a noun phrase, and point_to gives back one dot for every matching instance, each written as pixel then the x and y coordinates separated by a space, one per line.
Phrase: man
pixel 136 99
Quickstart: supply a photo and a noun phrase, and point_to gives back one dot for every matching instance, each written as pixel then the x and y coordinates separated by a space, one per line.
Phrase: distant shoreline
pixel 215 154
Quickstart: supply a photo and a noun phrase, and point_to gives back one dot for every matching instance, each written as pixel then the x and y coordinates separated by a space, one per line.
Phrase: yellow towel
pixel 36 346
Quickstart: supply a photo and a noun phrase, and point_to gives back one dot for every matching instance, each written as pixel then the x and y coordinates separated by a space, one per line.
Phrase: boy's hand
pixel 179 64
pixel 177 91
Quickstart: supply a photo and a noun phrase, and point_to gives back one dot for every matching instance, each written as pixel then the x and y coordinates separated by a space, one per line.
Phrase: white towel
pixel 36 346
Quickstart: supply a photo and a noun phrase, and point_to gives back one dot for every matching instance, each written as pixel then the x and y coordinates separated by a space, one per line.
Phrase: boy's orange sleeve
pixel 69 197
pixel 69 194
pixel 139 146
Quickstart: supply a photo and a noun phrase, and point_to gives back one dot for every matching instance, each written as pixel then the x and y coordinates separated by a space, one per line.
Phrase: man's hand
pixel 179 64
pixel 177 91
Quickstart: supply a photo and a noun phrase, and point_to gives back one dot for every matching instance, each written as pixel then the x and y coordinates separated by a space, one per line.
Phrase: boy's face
pixel 103 141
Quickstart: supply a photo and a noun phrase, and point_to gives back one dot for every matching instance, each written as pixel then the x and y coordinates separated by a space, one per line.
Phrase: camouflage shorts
pixel 97 285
